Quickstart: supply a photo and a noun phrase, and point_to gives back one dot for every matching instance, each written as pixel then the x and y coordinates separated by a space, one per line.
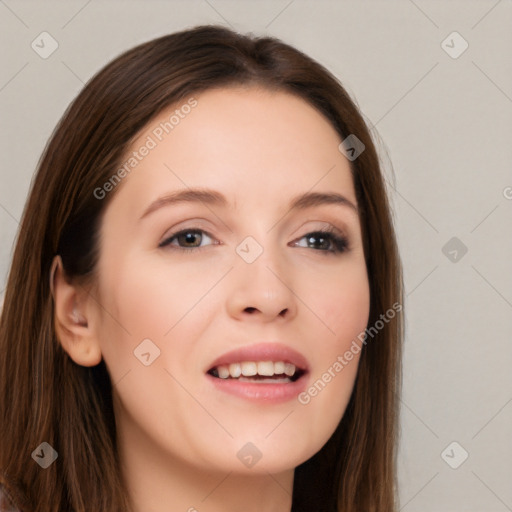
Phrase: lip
pixel 262 352
pixel 261 392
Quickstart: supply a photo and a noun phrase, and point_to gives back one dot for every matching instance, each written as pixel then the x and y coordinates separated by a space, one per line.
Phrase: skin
pixel 178 435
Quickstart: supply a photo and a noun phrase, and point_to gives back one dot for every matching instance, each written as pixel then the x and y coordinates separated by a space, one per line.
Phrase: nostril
pixel 250 309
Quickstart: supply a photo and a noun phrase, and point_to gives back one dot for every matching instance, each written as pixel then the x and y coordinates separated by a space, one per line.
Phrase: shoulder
pixel 5 503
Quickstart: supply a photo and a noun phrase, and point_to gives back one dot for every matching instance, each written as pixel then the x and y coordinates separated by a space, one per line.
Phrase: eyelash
pixel 340 243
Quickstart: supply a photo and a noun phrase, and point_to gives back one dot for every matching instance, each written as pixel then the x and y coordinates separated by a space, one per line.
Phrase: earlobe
pixel 73 328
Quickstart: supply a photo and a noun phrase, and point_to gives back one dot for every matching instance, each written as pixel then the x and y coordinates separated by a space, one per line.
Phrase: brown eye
pixel 186 239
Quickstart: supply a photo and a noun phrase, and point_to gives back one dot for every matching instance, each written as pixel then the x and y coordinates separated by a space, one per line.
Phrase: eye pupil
pixel 321 240
pixel 189 237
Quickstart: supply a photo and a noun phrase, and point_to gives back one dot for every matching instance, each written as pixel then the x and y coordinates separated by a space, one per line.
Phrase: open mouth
pixel 262 372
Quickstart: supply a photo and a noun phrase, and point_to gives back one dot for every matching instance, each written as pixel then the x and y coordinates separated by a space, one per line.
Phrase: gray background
pixel 445 124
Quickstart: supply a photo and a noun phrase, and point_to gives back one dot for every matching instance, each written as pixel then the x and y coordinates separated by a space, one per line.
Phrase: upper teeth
pixel 251 368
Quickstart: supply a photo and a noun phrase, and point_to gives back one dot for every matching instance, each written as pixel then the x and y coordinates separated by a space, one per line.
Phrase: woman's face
pixel 194 289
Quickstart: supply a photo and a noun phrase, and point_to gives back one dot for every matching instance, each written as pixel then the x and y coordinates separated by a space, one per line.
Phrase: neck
pixel 159 482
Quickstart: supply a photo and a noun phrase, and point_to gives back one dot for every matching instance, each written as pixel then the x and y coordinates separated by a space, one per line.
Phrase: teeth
pixel 252 368
pixel 249 369
pixel 235 370
pixel 273 380
pixel 279 368
pixel 289 369
pixel 223 372
pixel 266 368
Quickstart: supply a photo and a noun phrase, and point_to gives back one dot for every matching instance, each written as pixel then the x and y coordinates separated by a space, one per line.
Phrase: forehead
pixel 248 141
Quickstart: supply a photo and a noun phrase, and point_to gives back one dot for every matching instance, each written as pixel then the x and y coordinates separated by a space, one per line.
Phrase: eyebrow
pixel 214 198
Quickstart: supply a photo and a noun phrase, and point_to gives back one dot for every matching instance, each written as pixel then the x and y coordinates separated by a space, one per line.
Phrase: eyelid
pixel 192 224
pixel 324 226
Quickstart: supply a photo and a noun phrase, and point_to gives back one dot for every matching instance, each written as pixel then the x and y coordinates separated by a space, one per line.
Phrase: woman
pixel 204 309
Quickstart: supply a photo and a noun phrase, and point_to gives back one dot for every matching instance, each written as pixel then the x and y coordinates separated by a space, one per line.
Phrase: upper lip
pixel 267 351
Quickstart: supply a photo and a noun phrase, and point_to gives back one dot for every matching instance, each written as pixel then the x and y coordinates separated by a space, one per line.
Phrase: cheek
pixel 153 302
pixel 343 305
pixel 148 300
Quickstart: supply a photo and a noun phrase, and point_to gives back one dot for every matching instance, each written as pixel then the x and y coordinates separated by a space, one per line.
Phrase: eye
pixel 321 240
pixel 325 240
pixel 187 239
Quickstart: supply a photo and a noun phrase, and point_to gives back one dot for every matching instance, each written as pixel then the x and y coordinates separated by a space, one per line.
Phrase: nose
pixel 261 291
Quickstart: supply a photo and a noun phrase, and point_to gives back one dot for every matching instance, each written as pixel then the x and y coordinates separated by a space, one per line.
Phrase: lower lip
pixel 259 391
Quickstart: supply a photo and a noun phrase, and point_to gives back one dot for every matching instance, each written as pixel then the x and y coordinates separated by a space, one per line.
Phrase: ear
pixel 73 318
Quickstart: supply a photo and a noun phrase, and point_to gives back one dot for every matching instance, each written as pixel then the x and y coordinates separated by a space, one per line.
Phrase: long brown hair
pixel 46 397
